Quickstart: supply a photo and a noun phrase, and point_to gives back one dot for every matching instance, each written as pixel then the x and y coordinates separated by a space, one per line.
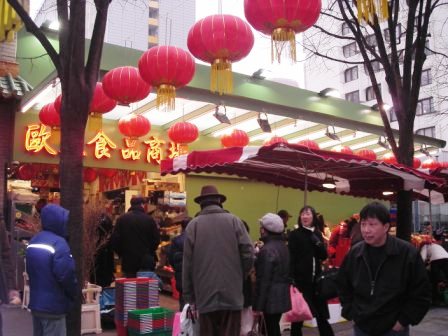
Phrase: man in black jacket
pixel 135 237
pixel 383 283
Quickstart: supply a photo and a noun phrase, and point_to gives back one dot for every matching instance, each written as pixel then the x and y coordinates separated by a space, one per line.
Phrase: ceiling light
pixel 332 133
pixel 329 92
pixel 221 116
pixel 50 25
pixel 264 123
pixel 329 183
pixel 424 149
pixel 376 107
pixel 260 74
pixel 382 141
pixel 388 193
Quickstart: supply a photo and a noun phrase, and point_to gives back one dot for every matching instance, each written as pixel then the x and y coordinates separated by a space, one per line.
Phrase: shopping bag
pixel 258 327
pixel 176 325
pixel 247 321
pixel 189 324
pixel 326 286
pixel 300 310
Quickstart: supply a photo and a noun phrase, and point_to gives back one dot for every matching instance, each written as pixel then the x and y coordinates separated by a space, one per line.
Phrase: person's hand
pixel 397 327
pixel 14 297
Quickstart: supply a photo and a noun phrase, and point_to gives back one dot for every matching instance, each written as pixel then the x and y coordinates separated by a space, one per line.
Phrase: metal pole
pixel 305 192
pixel 430 213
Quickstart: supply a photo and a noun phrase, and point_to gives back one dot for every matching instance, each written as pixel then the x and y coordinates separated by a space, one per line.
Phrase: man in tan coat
pixel 217 255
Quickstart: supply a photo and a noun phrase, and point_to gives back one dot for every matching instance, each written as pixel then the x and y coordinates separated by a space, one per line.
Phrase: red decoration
pixel 275 139
pixel 166 68
pixel 89 175
pixel 183 132
pixel 101 103
pixel 309 143
pixel 26 172
pixel 237 138
pixel 107 172
pixel 430 164
pixel 58 103
pixel 416 163
pixel 282 19
pixel 444 164
pixel 134 126
pixel 49 116
pixel 125 85
pixel 367 154
pixel 342 149
pixel 220 40
pixel 389 158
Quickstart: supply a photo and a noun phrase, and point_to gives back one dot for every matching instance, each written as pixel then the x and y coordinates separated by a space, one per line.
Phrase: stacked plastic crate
pixel 150 322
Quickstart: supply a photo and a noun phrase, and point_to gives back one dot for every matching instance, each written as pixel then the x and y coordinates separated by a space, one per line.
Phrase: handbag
pixel 258 327
pixel 300 311
pixel 326 285
pixel 189 324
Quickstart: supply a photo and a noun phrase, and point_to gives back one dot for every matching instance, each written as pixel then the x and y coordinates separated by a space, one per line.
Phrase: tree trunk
pixel 404 214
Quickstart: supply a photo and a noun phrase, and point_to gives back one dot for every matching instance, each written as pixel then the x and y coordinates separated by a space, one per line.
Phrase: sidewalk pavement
pixel 17 322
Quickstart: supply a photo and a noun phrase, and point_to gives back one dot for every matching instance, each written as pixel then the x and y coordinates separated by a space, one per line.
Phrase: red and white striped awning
pixel 299 167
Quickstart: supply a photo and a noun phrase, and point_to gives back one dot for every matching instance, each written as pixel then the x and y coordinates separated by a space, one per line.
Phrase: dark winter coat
pixel 50 266
pixel 272 270
pixel 175 257
pixel 136 235
pixel 6 268
pixel 399 291
pixel 307 251
pixel 103 273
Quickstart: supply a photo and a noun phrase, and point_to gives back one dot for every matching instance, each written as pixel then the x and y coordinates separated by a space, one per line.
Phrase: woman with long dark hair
pixel 307 251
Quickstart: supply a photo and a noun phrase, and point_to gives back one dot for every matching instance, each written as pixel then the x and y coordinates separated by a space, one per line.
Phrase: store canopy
pixel 302 168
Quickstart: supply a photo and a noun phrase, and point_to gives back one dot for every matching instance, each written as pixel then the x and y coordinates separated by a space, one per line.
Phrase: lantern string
pixel 220 6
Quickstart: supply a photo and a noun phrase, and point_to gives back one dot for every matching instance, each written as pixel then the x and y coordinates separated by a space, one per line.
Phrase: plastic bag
pixel 189 324
pixel 300 310
pixel 247 321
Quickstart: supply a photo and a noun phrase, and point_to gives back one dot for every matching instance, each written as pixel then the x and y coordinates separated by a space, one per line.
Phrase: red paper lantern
pixel 26 172
pixel 166 68
pixel 101 103
pixel 309 143
pixel 107 172
pixel 237 138
pixel 49 116
pixel 58 103
pixel 416 163
pixel 389 158
pixel 282 19
pixel 342 149
pixel 125 85
pixel 89 175
pixel 183 132
pixel 220 40
pixel 430 164
pixel 367 154
pixel 134 126
pixel 275 139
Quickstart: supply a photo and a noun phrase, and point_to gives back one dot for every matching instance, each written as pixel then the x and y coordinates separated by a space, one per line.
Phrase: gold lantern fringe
pixel 221 78
pixel 367 9
pixel 166 97
pixel 280 39
pixel 95 122
pixel 183 149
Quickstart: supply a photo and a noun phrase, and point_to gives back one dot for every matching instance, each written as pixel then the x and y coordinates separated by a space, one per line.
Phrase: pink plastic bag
pixel 176 324
pixel 300 310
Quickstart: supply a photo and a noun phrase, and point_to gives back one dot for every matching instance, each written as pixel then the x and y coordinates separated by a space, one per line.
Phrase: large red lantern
pixel 275 139
pixel 183 132
pixel 416 163
pixel 58 103
pixel 220 40
pixel 26 172
pixel 89 175
pixel 342 149
pixel 100 104
pixel 430 164
pixel 282 19
pixel 107 172
pixel 389 158
pixel 166 68
pixel 49 116
pixel 237 138
pixel 309 143
pixel 134 126
pixel 125 85
pixel 367 154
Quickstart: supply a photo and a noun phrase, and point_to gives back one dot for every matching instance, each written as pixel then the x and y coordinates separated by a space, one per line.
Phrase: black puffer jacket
pixel 272 270
pixel 399 291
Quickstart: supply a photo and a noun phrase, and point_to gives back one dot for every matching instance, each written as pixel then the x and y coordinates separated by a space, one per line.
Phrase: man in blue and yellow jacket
pixel 51 270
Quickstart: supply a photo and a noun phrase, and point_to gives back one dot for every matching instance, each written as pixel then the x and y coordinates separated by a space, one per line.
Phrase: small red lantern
pixel 49 116
pixel 100 104
pixel 367 154
pixel 275 139
pixel 107 172
pixel 220 40
pixel 26 172
pixel 342 149
pixel 134 126
pixel 58 103
pixel 389 158
pixel 416 163
pixel 237 138
pixel 89 175
pixel 309 143
pixel 166 68
pixel 125 85
pixel 430 164
pixel 282 19
pixel 183 132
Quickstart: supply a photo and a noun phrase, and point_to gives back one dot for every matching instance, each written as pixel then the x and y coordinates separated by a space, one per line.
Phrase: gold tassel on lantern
pixel 166 97
pixel 367 9
pixel 279 41
pixel 221 79
pixel 56 136
pixel 95 122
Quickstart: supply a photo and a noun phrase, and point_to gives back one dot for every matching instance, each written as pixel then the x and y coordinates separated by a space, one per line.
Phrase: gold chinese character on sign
pixel 154 153
pixel 103 145
pixel 36 139
pixel 131 152
pixel 174 150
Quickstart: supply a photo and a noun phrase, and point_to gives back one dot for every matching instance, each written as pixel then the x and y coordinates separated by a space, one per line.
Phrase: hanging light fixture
pixel 329 182
pixel 382 141
pixel 221 116
pixel 331 133
pixel 264 123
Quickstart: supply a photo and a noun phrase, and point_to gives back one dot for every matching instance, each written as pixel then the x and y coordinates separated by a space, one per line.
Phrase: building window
pixel 370 93
pixel 352 96
pixel 426 77
pixel 397 34
pixel 427 131
pixel 350 49
pixel 351 74
pixel 425 106
pixel 400 56
pixel 376 66
pixel 371 40
pixel 153 13
pixel 345 29
pixel 392 115
pixel 153 30
pixel 428 51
